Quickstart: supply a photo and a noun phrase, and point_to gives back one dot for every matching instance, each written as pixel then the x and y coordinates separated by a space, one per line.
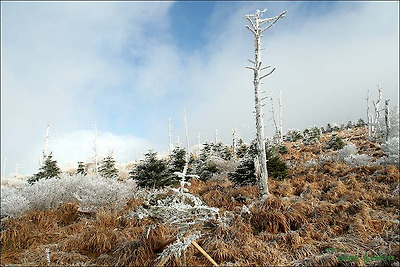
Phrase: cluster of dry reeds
pixel 314 218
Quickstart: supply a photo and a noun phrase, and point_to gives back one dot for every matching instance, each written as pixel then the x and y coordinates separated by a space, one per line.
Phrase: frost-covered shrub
pixel 13 203
pixel 391 148
pixel 179 209
pixel 293 135
pixel 349 155
pixel 90 192
pixel 347 151
pixel 311 163
pixel 358 160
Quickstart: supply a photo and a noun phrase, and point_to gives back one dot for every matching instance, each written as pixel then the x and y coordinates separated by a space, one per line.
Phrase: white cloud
pixel 115 64
pixel 71 147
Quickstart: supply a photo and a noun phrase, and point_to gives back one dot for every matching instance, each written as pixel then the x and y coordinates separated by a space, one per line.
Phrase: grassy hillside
pixel 327 212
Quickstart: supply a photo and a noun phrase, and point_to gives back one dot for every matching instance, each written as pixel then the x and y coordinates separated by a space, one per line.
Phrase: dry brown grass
pixel 330 205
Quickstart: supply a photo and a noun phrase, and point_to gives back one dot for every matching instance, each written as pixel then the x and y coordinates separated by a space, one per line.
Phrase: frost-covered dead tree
pixel 369 117
pixel 170 146
pixel 257 28
pixel 216 136
pixel 184 174
pixel 276 135
pixel 280 119
pixel 46 143
pixel 387 120
pixel 234 140
pixel 199 139
pixel 377 111
pixel 95 151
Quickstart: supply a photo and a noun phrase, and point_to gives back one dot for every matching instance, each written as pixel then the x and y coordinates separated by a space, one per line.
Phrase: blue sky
pixel 129 66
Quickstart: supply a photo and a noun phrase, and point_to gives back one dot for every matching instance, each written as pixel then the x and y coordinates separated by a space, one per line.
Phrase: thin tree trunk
pixel 169 136
pixel 387 121
pixel 280 119
pixel 95 151
pixel 256 23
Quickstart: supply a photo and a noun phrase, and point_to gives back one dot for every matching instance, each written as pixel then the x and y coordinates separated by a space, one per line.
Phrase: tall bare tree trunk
pixel 170 147
pixel 256 23
pixel 369 118
pixel 387 121
pixel 187 146
pixel 234 140
pixel 95 151
pixel 280 119
pixel 377 111
pixel 46 144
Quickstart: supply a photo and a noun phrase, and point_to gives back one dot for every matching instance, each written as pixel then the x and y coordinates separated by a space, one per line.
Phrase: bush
pixel 349 155
pixel 90 193
pixel 391 148
pixel 335 143
pixel 153 172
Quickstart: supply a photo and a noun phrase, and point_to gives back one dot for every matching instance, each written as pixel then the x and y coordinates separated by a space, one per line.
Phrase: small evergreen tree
pixel 328 128
pixel 47 171
pixel 107 168
pixel 153 172
pixel 360 123
pixel 81 169
pixel 177 160
pixel 335 143
pixel 210 158
pixel 349 125
pixel 245 172
pixel 311 135
pixel 242 149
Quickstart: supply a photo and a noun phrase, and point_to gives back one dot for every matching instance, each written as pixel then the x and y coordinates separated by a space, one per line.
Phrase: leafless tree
pixel 280 119
pixel 369 117
pixel 377 111
pixel 387 120
pixel 257 27
pixel 95 151
pixel 170 146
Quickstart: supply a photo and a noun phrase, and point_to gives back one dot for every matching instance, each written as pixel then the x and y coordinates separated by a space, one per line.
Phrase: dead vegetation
pixel 322 215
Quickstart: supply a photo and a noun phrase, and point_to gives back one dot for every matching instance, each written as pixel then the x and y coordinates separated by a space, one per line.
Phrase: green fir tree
pixel 47 171
pixel 81 169
pixel 107 168
pixel 153 172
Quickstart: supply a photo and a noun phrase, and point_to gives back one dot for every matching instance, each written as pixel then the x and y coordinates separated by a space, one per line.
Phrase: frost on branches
pixel 90 192
pixel 349 155
pixel 178 208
